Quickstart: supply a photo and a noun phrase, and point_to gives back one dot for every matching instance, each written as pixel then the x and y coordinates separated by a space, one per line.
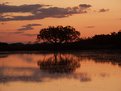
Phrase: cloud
pixel 10 33
pixel 40 11
pixel 28 27
pixel 85 5
pixel 90 26
pixel 22 8
pixel 16 33
pixel 103 10
pixel 29 35
pixel 2 23
pixel 4 3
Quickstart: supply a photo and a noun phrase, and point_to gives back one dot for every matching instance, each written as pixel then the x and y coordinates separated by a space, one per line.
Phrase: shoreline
pixel 62 51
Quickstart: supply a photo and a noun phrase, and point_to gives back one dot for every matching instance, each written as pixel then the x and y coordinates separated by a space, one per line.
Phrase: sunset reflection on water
pixel 94 72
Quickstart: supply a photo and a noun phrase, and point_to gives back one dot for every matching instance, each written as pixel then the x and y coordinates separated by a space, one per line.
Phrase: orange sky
pixel 102 17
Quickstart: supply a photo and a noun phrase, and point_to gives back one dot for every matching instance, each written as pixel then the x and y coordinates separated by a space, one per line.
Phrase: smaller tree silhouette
pixel 58 34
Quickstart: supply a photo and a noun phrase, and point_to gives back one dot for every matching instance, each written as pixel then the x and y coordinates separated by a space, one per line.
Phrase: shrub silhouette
pixel 58 34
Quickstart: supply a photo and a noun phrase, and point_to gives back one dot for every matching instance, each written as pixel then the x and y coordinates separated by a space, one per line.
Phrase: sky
pixel 21 20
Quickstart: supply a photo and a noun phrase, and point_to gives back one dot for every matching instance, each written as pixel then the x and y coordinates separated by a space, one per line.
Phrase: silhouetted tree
pixel 58 34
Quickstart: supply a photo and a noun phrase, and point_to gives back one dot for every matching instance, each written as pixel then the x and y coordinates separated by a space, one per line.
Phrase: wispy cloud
pixel 89 26
pixel 17 33
pixel 29 35
pixel 2 23
pixel 28 27
pixel 103 10
pixel 40 11
pixel 9 33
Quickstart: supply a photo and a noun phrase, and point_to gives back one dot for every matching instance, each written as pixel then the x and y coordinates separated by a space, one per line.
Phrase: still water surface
pixel 82 71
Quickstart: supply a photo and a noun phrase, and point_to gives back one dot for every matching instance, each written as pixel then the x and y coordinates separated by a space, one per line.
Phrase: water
pixel 79 71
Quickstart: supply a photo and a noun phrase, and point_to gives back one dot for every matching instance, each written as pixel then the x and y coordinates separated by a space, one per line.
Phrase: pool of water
pixel 78 71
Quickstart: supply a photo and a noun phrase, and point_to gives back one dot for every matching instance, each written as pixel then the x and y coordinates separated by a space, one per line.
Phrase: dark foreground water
pixel 82 71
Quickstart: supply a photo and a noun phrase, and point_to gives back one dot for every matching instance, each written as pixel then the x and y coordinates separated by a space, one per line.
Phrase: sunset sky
pixel 21 20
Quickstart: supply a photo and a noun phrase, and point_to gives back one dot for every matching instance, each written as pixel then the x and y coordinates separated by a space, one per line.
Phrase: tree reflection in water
pixel 59 63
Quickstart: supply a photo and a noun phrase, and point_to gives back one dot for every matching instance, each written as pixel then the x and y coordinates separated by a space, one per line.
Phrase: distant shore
pixel 62 51
pixel 98 42
pixel 44 47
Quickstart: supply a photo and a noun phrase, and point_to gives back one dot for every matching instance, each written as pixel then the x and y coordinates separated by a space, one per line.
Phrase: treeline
pixel 103 41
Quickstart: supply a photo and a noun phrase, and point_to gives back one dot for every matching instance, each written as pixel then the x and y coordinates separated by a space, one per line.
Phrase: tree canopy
pixel 58 34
